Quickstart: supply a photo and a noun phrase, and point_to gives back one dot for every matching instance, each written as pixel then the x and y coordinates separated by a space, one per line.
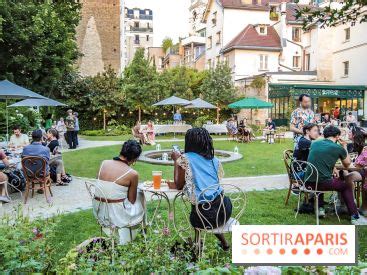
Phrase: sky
pixel 170 17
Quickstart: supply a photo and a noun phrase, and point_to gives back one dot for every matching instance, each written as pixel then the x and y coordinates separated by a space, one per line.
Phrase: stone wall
pixel 98 36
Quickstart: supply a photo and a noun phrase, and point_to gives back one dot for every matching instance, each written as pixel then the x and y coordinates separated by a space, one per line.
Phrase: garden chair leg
pixel 26 193
pixel 317 208
pixel 289 194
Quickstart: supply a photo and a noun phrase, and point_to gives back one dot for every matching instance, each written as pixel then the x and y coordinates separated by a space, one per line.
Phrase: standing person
pixel 70 129
pixel 61 128
pixel 323 155
pixel 177 117
pixel 76 128
pixel 48 122
pixel 301 116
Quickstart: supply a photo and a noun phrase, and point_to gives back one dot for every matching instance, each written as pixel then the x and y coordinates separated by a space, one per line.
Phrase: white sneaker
pixel 361 221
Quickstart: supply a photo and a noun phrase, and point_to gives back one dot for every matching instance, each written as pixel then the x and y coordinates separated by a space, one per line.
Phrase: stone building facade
pixel 98 36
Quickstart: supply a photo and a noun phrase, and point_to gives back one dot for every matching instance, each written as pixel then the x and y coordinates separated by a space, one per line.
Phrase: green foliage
pixel 38 46
pixel 201 120
pixel 218 87
pixel 166 44
pixel 91 96
pixel 182 82
pixel 139 83
pixel 258 83
pixel 25 245
pixel 352 11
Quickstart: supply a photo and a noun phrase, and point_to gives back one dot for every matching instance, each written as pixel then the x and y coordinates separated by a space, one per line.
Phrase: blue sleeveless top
pixel 205 174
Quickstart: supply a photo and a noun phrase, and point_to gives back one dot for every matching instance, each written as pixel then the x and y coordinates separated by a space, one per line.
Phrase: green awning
pixel 250 103
pixel 338 91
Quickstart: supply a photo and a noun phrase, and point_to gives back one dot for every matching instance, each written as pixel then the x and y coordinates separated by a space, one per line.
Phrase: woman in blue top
pixel 198 172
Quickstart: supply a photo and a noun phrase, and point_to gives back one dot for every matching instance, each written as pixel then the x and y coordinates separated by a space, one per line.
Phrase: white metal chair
pixel 238 199
pixel 103 207
pixel 299 169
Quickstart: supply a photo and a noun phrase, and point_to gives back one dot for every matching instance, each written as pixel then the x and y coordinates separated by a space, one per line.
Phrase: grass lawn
pixel 265 207
pixel 258 159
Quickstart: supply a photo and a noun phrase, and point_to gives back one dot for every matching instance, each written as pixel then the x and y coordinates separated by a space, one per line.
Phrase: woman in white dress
pixel 117 199
pixel 61 128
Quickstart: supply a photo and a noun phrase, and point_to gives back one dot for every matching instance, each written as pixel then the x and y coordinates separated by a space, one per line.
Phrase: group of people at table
pixel 323 152
pixel 44 145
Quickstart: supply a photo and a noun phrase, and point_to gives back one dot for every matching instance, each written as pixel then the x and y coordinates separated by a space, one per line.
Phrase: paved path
pixel 74 197
pixel 85 144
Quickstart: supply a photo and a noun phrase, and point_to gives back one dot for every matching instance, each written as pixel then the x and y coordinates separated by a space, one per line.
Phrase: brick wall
pixel 98 36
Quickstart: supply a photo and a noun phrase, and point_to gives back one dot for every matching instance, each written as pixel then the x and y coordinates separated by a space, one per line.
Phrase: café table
pixel 164 193
pixel 358 185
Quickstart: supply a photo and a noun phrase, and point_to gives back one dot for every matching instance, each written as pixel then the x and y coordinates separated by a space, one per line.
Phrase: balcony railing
pixel 141 16
pixel 140 29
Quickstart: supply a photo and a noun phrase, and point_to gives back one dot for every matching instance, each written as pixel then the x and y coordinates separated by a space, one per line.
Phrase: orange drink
pixel 157 179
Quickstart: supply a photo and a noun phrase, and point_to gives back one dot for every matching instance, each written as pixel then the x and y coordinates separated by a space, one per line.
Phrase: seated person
pixel 18 140
pixel 334 121
pixel 350 118
pixel 323 155
pixel 231 127
pixel 325 119
pixel 36 149
pixel 302 148
pixel 149 133
pixel 269 127
pixel 56 157
pixel 137 133
pixel 119 184
pixel 196 170
pixel 358 137
pixel 3 179
pixel 317 118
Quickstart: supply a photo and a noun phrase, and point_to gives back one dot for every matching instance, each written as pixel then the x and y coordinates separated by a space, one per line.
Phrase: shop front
pixel 325 98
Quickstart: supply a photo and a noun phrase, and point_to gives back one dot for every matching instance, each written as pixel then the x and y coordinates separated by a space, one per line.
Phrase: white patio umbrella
pixel 37 102
pixel 9 90
pixel 199 103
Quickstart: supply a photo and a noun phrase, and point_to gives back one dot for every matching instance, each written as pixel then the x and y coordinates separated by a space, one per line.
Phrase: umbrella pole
pixel 174 133
pixel 7 121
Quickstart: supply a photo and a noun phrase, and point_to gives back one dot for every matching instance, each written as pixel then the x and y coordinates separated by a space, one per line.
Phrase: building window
pixel 346 68
pixel 296 61
pixel 347 34
pixel 263 62
pixel 209 42
pixel 262 30
pixel 147 38
pixel 218 38
pixel 308 61
pixel 214 19
pixel 136 24
pixel 137 39
pixel 296 34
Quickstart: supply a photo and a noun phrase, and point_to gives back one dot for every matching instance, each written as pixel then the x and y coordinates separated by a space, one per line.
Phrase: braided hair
pixel 198 140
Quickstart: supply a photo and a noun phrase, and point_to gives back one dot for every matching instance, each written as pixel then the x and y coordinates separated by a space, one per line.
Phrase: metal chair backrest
pixel 234 193
pixel 34 168
pixel 100 209
pixel 303 171
pixel 288 159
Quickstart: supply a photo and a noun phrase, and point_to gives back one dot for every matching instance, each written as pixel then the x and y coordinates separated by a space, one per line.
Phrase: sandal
pixel 61 184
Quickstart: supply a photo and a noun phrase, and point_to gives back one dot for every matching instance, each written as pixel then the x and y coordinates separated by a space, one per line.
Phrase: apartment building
pixel 138 32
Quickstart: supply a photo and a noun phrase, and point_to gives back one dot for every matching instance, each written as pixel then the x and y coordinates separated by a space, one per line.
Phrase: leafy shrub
pixel 201 120
pixel 110 131
pixel 25 245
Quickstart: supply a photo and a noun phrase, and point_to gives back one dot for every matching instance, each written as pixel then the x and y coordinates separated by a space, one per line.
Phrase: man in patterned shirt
pixel 301 116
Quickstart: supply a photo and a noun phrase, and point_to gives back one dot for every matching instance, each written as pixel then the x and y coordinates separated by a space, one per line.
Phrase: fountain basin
pixel 159 157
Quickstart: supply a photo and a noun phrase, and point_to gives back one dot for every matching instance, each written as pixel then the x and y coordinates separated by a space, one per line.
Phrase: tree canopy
pixel 352 11
pixel 37 42
pixel 167 43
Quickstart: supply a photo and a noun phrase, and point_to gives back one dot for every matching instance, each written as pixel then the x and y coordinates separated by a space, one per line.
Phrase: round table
pixel 162 193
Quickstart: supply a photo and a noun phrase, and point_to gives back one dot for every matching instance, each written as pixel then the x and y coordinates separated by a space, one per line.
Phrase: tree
pixel 218 87
pixel 352 11
pixel 37 44
pixel 166 44
pixel 139 81
pixel 258 84
pixel 97 96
